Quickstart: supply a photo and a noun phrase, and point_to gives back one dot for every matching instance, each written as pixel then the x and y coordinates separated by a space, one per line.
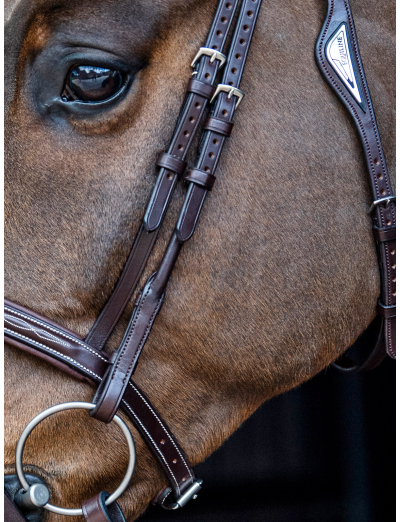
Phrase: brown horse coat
pixel 281 274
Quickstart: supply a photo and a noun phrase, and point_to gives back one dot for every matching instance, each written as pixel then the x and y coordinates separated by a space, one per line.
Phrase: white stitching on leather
pixel 163 427
pixel 127 405
pixel 52 350
pixel 39 332
pixel 60 332
pixel 154 444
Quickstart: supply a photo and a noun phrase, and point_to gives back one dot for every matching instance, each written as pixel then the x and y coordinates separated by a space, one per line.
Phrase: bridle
pixel 338 57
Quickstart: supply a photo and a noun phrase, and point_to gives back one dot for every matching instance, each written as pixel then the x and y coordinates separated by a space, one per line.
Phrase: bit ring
pixel 70 406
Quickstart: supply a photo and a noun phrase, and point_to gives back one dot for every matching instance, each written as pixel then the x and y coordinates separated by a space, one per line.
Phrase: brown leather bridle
pixel 84 358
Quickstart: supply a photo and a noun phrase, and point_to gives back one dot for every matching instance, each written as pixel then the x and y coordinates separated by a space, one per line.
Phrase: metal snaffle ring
pixel 71 406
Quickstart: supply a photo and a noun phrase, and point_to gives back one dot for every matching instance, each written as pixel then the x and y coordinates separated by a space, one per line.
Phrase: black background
pixel 323 452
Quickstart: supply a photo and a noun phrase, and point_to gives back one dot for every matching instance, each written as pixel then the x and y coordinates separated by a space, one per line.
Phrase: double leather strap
pixel 199 91
pixel 227 98
pixel 338 57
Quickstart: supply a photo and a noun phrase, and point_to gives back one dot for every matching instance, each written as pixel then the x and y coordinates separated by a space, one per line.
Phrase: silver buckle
pixel 215 55
pixel 181 501
pixel 232 91
pixel 381 201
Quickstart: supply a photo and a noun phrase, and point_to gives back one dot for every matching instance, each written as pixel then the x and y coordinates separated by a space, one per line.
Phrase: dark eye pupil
pixel 89 83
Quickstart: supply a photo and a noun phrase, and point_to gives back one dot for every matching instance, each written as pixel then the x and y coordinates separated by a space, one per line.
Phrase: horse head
pixel 281 274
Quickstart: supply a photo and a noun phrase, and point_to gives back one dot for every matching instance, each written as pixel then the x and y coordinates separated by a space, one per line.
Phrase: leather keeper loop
pixel 199 177
pixel 95 510
pixel 218 126
pixel 384 234
pixel 203 89
pixel 386 311
pixel 171 163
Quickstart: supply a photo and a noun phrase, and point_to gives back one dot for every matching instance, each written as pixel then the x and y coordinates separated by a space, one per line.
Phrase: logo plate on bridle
pixel 339 57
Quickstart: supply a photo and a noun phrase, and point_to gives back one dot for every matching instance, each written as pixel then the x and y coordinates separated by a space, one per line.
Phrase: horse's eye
pixel 91 84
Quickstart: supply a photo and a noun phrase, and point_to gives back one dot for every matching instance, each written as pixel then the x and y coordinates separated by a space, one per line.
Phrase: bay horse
pixel 281 275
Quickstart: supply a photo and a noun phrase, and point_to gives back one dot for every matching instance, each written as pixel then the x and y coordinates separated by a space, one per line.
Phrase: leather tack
pixel 203 89
pixel 191 114
pixel 201 178
pixel 219 126
pixel 338 25
pixel 11 512
pixel 67 351
pixel 171 163
pixel 386 311
pixel 95 510
pixel 384 234
pixel 220 121
pixel 189 119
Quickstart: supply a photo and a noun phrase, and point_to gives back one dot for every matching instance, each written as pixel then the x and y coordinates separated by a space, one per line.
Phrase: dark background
pixel 323 452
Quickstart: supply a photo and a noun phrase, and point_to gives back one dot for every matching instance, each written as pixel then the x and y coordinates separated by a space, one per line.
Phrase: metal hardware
pixel 232 91
pixel 71 406
pixel 36 496
pixel 215 55
pixel 181 501
pixel 381 201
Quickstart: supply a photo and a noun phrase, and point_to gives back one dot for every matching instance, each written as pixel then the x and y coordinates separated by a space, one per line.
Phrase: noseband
pixel 338 58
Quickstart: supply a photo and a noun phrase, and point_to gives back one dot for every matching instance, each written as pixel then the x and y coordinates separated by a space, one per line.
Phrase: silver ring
pixel 71 406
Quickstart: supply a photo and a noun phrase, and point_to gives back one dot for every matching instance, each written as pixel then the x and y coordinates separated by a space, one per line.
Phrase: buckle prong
pixel 232 91
pixel 214 55
pixel 382 201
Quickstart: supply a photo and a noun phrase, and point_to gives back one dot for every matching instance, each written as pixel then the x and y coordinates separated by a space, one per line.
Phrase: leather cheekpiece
pixel 219 126
pixel 171 163
pixel 95 509
pixel 204 179
pixel 203 89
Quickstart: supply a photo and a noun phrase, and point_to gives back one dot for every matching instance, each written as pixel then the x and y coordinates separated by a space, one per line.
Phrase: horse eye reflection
pixel 89 83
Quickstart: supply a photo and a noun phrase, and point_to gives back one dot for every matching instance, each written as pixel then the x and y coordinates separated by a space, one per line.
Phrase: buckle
pixel 232 91
pixel 381 201
pixel 215 55
pixel 181 501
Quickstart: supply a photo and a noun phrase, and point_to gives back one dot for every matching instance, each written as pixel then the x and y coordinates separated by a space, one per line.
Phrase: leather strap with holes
pixel 199 91
pixel 109 394
pixel 68 352
pixel 338 57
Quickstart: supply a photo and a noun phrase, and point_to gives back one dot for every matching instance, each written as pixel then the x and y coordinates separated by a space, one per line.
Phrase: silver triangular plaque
pixel 339 57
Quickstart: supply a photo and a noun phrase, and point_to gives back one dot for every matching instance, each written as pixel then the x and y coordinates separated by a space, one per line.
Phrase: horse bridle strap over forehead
pixel 338 57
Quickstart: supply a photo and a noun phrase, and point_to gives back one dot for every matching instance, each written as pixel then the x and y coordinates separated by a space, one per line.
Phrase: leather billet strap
pixel 95 510
pixel 338 57
pixel 219 125
pixel 199 91
pixel 67 351
pixel 110 392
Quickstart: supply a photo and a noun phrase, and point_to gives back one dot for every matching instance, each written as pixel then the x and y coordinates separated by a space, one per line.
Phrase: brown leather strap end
pixel 386 311
pixel 201 178
pixel 95 509
pixel 203 89
pixel 218 126
pixel 384 234
pixel 171 163
pixel 11 512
